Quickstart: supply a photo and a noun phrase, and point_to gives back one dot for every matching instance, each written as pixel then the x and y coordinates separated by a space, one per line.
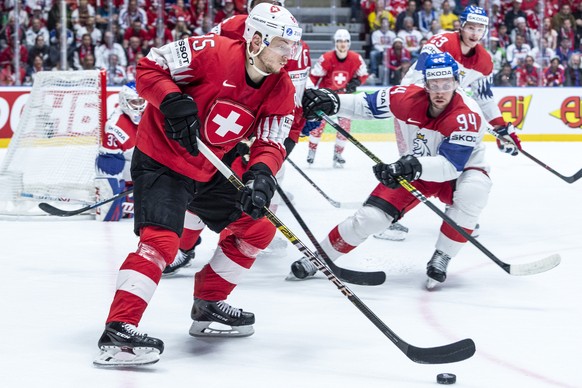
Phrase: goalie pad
pixel 110 163
pixel 107 188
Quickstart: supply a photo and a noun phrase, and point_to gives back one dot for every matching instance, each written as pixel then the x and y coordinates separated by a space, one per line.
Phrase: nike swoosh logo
pixel 225 83
pixel 410 121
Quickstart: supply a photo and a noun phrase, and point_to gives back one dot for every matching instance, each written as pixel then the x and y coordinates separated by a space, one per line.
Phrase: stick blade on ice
pixel 535 267
pixel 446 354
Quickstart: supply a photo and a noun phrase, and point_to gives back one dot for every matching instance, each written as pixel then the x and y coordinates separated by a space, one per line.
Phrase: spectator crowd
pixel 532 42
pixel 100 34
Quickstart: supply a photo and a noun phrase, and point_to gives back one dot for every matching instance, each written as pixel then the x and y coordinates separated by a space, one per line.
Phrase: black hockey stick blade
pixel 568 179
pixel 454 352
pixel 373 278
pixel 54 211
pixel 532 268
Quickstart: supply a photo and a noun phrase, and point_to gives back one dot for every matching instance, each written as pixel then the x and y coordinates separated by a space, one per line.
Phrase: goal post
pixel 51 156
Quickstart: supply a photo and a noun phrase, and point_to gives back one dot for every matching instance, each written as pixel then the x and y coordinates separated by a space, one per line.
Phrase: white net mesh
pixel 51 157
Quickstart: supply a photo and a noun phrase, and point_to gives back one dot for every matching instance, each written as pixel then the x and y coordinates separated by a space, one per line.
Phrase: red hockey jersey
pixel 333 73
pixel 211 69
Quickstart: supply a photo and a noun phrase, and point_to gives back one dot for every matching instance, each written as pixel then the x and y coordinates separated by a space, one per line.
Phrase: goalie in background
pixel 115 154
pixel 113 173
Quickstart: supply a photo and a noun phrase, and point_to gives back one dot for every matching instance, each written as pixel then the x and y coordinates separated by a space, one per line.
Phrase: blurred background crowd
pixel 532 42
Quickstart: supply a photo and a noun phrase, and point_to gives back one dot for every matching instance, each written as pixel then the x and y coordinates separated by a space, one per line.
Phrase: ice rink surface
pixel 59 278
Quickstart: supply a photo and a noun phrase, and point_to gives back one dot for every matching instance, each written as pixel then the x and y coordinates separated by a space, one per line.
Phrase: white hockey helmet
pixel 252 3
pixel 271 21
pixel 342 35
pixel 131 103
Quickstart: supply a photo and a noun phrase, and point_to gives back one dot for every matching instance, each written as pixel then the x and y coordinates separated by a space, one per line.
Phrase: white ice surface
pixel 59 278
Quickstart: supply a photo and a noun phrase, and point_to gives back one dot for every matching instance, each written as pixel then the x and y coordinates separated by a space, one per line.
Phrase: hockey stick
pixel 569 179
pixel 454 352
pixel 46 197
pixel 347 275
pixel 320 191
pixel 532 268
pixel 68 213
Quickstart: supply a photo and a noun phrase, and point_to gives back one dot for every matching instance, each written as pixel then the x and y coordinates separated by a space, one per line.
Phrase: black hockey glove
pixel 314 100
pixel 259 189
pixel 181 120
pixel 352 86
pixel 408 167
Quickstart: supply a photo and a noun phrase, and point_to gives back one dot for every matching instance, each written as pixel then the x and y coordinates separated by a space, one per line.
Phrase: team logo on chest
pixel 227 121
pixel 419 147
pixel 340 78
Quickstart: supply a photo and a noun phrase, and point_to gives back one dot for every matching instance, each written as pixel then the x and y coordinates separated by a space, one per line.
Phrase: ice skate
pixel 436 269
pixel 395 232
pixel 277 247
pixel 182 260
pixel 310 156
pixel 219 319
pixel 338 160
pixel 302 269
pixel 122 345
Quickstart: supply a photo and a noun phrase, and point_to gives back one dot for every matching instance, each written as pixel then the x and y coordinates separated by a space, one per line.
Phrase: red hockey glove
pixel 513 144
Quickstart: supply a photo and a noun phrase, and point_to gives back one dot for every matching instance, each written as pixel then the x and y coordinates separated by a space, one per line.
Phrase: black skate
pixel 182 260
pixel 436 269
pixel 122 345
pixel 302 269
pixel 226 321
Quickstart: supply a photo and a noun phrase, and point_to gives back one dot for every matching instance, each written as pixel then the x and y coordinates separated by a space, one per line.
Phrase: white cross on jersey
pixel 340 79
pixel 227 124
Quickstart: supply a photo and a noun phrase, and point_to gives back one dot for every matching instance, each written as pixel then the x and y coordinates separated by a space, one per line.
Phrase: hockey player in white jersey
pixel 441 132
pixel 475 77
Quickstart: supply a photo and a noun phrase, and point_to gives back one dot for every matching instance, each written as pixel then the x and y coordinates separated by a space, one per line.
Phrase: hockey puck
pixel 446 378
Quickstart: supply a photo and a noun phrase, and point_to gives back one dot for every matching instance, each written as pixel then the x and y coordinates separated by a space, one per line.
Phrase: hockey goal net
pixel 51 157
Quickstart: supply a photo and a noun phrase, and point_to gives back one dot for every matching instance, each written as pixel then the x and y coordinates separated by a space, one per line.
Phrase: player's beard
pixel 271 62
pixel 439 102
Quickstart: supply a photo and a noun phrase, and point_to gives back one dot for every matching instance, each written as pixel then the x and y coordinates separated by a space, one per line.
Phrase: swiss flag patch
pixel 340 78
pixel 227 122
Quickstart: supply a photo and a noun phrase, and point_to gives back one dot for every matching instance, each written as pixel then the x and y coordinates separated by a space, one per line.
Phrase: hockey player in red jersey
pixel 115 153
pixel 218 91
pixel 113 172
pixel 442 154
pixel 298 69
pixel 342 71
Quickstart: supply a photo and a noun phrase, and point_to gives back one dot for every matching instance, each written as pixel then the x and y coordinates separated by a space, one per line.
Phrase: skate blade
pixel 391 235
pixel 292 278
pixel 115 357
pixel 215 329
pixel 338 165
pixel 431 284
